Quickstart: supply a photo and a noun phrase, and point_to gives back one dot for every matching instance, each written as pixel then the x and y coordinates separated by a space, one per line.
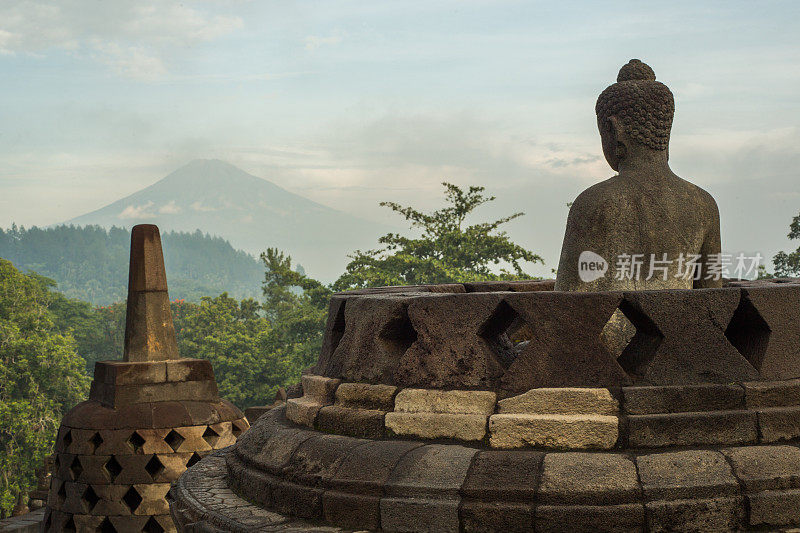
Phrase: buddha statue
pixel 650 228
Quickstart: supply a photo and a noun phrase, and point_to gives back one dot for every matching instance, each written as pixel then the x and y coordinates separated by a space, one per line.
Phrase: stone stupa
pixel 149 417
pixel 502 406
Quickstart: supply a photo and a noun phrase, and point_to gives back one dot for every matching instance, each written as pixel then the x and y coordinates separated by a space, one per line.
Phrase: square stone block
pixel 437 426
pixel 760 394
pixel 692 429
pixel 686 474
pixel 588 478
pixel 766 467
pixel 561 401
pixel 189 370
pixel 775 508
pixel 320 388
pixel 590 518
pixel 461 402
pixel 503 475
pixel 362 423
pixel 302 411
pixel 419 515
pixel 130 372
pixel 120 395
pixel 367 470
pixel 683 398
pixel 779 423
pixel 553 431
pixel 437 470
pixel 352 511
pixel 366 396
pixel 297 500
pixel 712 514
pixel 484 517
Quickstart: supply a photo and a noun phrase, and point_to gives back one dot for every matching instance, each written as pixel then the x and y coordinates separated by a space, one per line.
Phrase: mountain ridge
pixel 251 212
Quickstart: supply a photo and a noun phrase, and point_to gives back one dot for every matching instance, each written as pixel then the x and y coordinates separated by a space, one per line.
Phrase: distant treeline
pixel 91 263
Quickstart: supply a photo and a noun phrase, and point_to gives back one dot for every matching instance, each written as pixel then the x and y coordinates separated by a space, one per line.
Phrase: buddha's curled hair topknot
pixel 643 105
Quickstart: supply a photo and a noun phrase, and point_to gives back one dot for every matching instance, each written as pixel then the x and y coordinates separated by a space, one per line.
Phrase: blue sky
pixel 351 103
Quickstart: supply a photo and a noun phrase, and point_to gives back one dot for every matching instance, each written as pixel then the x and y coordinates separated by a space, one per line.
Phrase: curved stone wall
pixel 457 336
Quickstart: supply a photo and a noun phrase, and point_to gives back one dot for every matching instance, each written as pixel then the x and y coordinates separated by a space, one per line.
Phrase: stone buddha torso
pixel 645 213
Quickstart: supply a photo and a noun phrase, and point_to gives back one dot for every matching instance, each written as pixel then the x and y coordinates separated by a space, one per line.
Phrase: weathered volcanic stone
pixel 451 402
pixel 449 352
pixel 766 467
pixel 682 398
pixel 303 411
pixel 376 335
pixel 437 426
pixel 588 478
pixel 565 349
pixel 686 474
pixel 694 348
pixel 367 471
pixel 772 393
pixel 590 518
pixel 773 342
pixel 434 470
pixel 316 460
pixel 553 431
pixel 503 475
pixel 563 401
pixel 361 423
pixel 419 515
pixel 712 514
pixel 366 396
pixel 774 508
pixel 477 516
pixel 779 423
pixel 354 511
pixel 692 429
pixel 327 364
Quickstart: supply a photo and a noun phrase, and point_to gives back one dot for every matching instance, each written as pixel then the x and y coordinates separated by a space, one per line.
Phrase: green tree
pixel 296 308
pixel 447 250
pixel 41 377
pixel 239 342
pixel 789 264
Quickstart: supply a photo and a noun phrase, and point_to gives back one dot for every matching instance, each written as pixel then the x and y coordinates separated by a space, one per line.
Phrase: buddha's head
pixel 636 112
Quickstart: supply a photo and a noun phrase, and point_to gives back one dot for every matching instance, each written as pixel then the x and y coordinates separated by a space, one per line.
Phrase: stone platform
pixel 496 407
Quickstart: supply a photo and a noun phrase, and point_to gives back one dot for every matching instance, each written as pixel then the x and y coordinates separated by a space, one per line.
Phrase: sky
pixel 353 103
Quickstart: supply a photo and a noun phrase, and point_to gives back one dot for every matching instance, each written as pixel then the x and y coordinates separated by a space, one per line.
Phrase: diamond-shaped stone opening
pixel 76 468
pixel 69 525
pixel 506 333
pixel 193 460
pixel 632 338
pixel 96 441
pixel 237 429
pixel 106 527
pixel 211 436
pixel 89 498
pixel 154 467
pixel 112 468
pixel 67 439
pixel 398 334
pixel 174 440
pixel 62 492
pixel 136 442
pixel 749 332
pixel 152 526
pixel 337 329
pixel 132 499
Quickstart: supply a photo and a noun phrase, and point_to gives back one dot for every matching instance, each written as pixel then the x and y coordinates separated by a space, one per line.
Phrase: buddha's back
pixel 652 229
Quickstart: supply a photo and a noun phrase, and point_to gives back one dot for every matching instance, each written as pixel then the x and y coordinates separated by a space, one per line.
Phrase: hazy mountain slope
pixel 252 213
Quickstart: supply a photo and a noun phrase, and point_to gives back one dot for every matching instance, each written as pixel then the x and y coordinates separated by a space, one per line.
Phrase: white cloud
pixel 137 211
pixel 198 206
pixel 170 209
pixel 135 39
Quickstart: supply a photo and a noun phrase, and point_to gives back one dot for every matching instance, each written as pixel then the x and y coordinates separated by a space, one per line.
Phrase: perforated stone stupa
pixel 149 417
pixel 501 407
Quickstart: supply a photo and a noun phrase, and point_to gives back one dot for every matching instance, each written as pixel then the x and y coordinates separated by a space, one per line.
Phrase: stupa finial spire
pixel 149 332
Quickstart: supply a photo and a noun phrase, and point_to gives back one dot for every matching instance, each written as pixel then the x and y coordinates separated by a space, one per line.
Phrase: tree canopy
pixel 446 249
pixel 788 264
pixel 41 377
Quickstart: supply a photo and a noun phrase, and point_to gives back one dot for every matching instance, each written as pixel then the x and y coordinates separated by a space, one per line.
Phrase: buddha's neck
pixel 641 160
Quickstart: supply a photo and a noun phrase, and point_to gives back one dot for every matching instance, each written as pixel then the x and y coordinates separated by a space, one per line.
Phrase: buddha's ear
pixel 617 129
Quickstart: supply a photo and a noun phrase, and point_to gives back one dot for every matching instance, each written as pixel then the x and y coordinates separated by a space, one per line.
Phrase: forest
pixel 91 263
